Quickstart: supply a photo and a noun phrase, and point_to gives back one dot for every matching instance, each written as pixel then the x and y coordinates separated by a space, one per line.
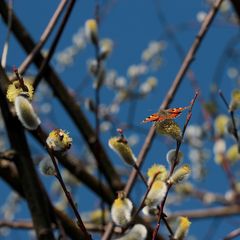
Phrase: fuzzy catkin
pixel 138 232
pixel 26 113
pixel 123 150
pixel 170 128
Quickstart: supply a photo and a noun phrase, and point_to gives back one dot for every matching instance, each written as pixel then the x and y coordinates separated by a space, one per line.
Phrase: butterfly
pixel 165 114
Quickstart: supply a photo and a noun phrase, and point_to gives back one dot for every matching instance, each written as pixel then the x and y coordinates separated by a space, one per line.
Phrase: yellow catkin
pixel 220 124
pixel 233 154
pixel 235 101
pixel 91 29
pixel 15 90
pixel 122 149
pixel 180 173
pixel 156 193
pixel 182 228
pixel 170 128
pixel 158 169
pixel 59 140
pixel 121 210
pixel 26 113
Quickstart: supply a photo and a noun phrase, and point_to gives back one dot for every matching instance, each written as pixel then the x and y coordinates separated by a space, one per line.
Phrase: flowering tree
pixel 128 200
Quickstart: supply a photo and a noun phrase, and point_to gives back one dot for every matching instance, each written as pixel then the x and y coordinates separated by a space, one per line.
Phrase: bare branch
pixel 54 43
pixel 19 224
pixel 47 32
pixel 6 44
pixel 207 213
pixel 169 97
pixel 235 132
pixel 235 233
pixel 9 173
pixel 67 100
pixel 236 5
pixel 33 190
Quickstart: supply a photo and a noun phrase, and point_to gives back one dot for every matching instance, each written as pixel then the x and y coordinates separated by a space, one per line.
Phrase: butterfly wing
pixel 175 112
pixel 152 118
pixel 165 114
pixel 156 117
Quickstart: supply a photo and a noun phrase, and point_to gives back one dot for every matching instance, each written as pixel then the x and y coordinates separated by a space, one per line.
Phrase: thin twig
pixel 169 97
pixel 174 87
pixel 173 166
pixel 47 32
pixel 19 224
pixel 28 225
pixel 9 174
pixel 97 104
pixel 58 175
pixel 54 43
pixel 146 194
pixel 68 194
pixel 32 187
pixel 227 169
pixel 235 132
pixel 6 43
pixel 69 103
pixel 235 233
pixel 226 211
pixel 236 6
pixel 20 79
pixel 143 203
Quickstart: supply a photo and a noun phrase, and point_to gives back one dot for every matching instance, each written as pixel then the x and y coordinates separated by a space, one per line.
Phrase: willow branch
pixel 28 225
pixel 174 87
pixel 169 97
pixel 213 212
pixel 6 44
pixel 78 169
pixel 9 173
pixel 236 6
pixel 231 112
pixel 33 190
pixel 173 166
pixel 235 233
pixel 19 224
pixel 47 32
pixel 54 43
pixel 68 194
pixel 67 100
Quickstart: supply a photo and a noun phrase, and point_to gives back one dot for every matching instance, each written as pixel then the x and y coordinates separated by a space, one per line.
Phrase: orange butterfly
pixel 165 114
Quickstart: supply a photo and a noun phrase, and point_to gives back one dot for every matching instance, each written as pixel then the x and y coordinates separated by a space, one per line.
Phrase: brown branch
pixel 53 46
pixel 174 87
pixel 67 100
pixel 9 173
pixel 19 224
pixel 169 97
pixel 67 223
pixel 33 190
pixel 231 112
pixel 28 225
pixel 207 212
pixel 235 233
pixel 236 6
pixel 6 43
pixel 47 32
pixel 173 166
pixel 78 169
pixel 68 194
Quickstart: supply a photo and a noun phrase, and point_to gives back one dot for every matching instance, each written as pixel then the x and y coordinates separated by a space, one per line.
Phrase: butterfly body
pixel 165 114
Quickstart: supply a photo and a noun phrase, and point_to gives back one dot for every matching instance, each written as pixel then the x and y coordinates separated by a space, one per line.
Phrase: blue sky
pixel 132 25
